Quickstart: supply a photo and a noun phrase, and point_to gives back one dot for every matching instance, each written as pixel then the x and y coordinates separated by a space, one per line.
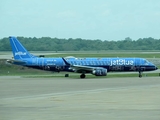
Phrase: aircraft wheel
pixel 82 76
pixel 66 75
pixel 140 74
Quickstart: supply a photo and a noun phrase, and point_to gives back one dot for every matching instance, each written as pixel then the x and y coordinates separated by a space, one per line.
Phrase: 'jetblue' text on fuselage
pixel 122 62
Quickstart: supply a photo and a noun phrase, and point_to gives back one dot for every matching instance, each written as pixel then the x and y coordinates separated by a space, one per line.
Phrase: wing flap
pixel 80 68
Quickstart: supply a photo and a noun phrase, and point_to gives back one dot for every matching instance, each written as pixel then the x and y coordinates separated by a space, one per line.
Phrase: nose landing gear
pixel 140 74
pixel 140 71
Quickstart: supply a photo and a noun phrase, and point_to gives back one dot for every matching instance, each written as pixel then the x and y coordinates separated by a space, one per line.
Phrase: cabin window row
pixel 89 62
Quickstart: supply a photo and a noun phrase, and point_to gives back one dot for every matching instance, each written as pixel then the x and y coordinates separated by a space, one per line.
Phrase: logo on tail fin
pixel 20 53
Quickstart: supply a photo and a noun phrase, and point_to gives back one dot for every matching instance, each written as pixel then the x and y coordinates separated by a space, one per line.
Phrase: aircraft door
pixel 139 64
pixel 136 61
pixel 41 62
pixel 34 61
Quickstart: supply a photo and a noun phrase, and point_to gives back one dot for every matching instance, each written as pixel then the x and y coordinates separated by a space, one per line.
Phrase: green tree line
pixel 56 44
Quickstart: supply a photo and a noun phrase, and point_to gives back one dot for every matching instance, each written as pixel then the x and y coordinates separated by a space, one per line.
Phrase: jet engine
pixel 99 72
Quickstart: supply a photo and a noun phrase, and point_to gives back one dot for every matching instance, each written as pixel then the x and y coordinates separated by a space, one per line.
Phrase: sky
pixel 86 19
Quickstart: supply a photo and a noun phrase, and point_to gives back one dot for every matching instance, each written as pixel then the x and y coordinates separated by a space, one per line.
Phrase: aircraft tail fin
pixel 19 51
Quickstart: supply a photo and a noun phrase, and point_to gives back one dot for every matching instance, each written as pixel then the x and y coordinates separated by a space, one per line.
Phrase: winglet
pixel 67 63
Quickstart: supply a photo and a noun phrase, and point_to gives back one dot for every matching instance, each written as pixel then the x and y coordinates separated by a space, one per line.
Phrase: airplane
pixel 95 66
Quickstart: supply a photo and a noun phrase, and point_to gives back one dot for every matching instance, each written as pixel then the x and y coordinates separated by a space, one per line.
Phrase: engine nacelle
pixel 99 72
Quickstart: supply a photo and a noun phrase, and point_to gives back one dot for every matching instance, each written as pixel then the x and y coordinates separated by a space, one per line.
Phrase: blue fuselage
pixel 95 66
pixel 111 64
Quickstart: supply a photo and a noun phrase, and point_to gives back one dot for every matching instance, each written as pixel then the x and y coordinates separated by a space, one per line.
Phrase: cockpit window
pixel 146 61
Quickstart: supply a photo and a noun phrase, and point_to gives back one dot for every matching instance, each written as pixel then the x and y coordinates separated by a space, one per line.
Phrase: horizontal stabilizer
pixel 19 62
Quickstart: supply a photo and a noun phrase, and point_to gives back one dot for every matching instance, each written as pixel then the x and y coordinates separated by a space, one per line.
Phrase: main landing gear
pixel 82 75
pixel 140 70
pixel 140 74
pixel 66 75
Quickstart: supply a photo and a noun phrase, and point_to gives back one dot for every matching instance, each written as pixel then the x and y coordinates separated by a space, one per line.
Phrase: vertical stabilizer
pixel 19 52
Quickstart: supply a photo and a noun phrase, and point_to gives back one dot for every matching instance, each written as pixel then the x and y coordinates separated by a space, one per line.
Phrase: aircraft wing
pixel 79 68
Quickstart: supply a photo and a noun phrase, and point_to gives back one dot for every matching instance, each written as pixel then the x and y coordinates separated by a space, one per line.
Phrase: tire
pixel 82 76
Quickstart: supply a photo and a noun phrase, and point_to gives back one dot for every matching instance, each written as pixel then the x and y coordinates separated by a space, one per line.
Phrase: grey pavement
pixel 68 98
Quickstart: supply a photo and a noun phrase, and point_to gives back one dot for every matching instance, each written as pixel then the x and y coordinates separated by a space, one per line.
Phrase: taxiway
pixel 68 98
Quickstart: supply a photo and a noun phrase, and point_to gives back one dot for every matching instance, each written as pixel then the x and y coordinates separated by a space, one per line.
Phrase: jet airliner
pixel 95 66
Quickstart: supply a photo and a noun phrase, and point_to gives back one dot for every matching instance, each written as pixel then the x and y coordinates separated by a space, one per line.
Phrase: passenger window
pixel 75 62
pixel 104 62
pixel 72 62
